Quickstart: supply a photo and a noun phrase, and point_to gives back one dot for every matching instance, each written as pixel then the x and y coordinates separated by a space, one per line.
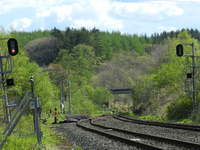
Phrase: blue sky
pixel 126 16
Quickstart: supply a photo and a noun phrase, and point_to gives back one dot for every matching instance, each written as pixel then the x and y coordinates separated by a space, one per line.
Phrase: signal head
pixel 12 46
pixel 179 50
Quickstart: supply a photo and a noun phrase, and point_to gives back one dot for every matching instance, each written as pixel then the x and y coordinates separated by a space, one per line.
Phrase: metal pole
pixel 37 122
pixel 5 96
pixel 193 78
pixel 36 116
pixel 33 96
pixel 62 96
pixel 7 104
pixel 32 86
pixel 69 87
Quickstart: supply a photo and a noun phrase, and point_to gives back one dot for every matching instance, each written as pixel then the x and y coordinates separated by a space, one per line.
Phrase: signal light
pixel 12 46
pixel 179 50
pixel 189 75
pixel 10 82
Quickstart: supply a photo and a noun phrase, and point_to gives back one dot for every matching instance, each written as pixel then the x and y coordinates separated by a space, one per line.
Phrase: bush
pixel 181 108
pixel 81 104
pixel 99 96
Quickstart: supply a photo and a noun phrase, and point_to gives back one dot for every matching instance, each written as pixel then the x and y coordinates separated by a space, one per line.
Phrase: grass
pixel 158 118
pixel 78 148
pixel 186 121
pixel 153 118
pixel 23 137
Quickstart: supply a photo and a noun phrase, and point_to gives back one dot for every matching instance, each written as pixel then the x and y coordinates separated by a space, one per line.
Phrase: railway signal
pixel 12 46
pixel 5 69
pixel 179 50
pixel 191 76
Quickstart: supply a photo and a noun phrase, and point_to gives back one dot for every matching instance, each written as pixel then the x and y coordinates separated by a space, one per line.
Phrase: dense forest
pixel 93 61
pixel 96 61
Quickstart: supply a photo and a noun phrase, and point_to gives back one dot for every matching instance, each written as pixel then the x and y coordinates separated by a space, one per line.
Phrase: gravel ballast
pixel 179 134
pixel 90 141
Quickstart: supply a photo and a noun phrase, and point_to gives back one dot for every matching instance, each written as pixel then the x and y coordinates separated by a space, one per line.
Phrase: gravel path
pixel 184 135
pixel 90 141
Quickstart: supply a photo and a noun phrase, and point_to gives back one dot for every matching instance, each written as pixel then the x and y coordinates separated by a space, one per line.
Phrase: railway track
pixel 89 126
pixel 141 140
pixel 156 123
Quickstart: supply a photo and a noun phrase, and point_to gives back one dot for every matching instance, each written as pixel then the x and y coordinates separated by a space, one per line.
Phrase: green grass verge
pixel 23 137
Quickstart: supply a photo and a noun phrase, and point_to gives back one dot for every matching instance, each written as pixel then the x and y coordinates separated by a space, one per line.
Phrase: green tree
pixel 80 62
pixel 43 50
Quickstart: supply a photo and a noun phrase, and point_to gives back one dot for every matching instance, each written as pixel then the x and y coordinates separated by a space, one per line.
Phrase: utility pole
pixel 36 112
pixel 69 94
pixel 62 106
pixel 193 77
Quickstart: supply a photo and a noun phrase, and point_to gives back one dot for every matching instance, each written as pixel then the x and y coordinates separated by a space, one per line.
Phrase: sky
pixel 126 16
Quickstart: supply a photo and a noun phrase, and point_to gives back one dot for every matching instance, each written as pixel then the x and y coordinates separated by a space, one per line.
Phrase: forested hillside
pixel 160 37
pixel 105 44
pixel 95 61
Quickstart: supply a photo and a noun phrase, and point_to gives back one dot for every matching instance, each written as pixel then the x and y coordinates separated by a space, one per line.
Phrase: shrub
pixel 181 108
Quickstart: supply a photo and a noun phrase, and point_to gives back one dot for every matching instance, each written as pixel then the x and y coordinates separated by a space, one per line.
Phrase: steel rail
pixel 116 137
pixel 175 142
pixel 156 123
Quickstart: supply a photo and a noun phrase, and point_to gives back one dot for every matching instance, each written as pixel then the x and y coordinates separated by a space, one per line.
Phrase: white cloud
pixel 165 28
pixel 85 23
pixel 103 14
pixel 62 12
pixel 65 9
pixel 149 8
pixel 21 24
pixel 9 5
pixel 197 1
pixel 86 13
pixel 42 14
pixel 109 14
pixel 106 24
